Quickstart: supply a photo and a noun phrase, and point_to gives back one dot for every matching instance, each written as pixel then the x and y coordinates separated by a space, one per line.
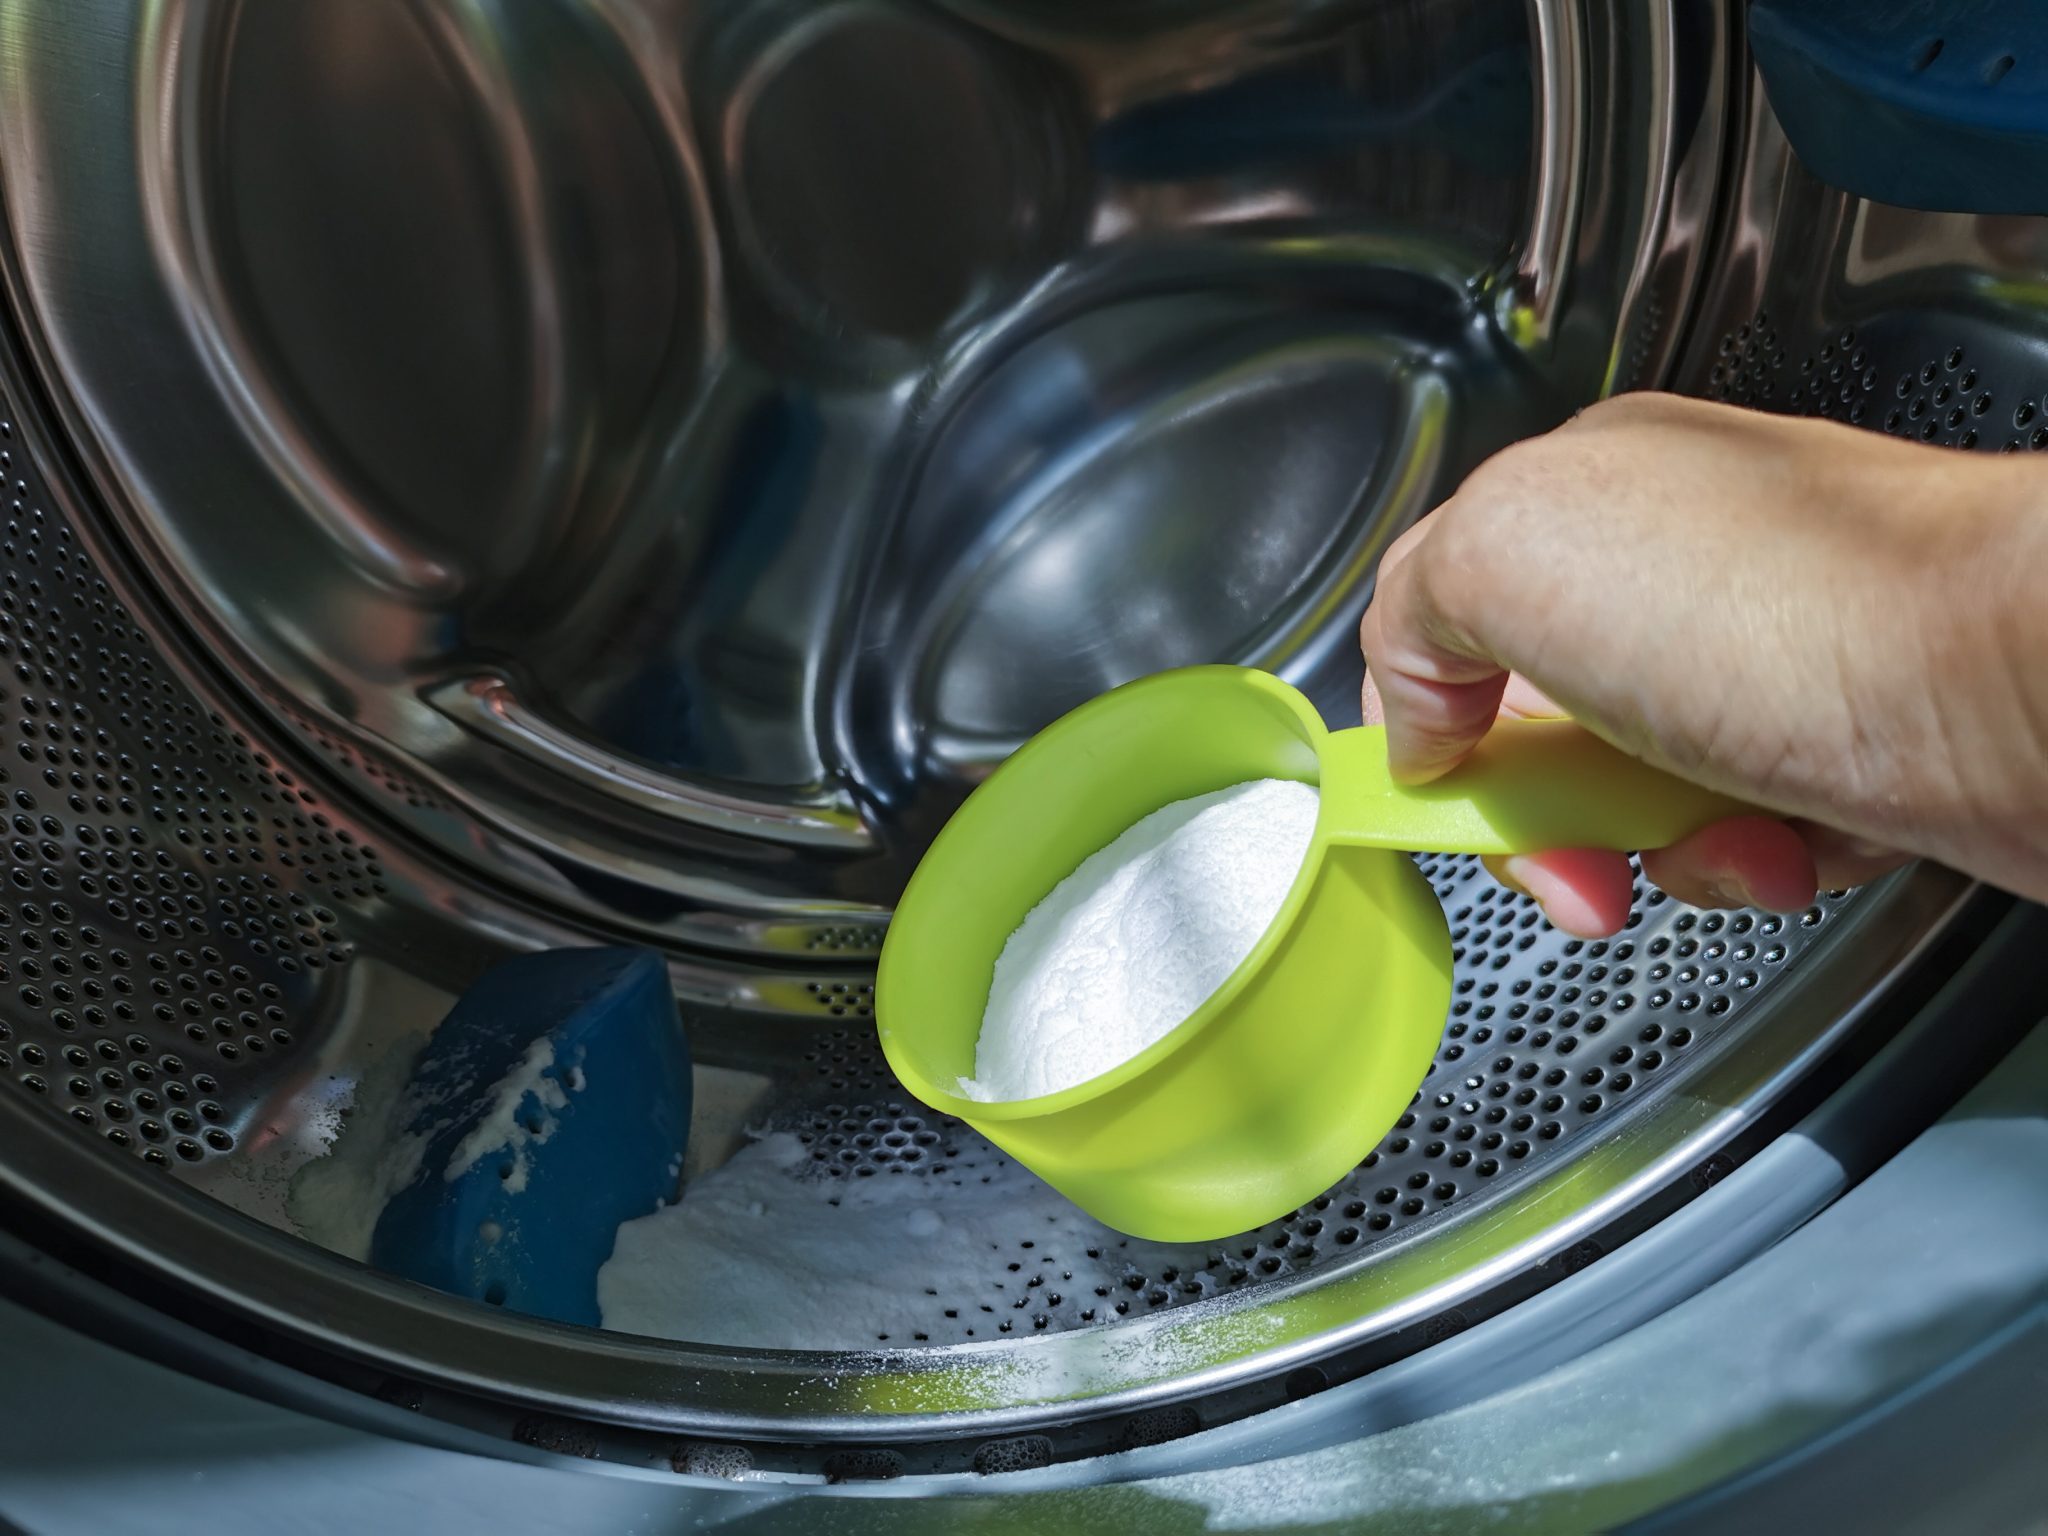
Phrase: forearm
pixel 1981 801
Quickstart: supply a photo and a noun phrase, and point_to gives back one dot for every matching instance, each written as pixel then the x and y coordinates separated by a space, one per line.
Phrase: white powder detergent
pixel 1138 937
pixel 508 1125
pixel 766 1253
pixel 335 1200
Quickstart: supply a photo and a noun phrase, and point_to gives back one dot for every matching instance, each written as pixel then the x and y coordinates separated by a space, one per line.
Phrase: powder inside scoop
pixel 1138 937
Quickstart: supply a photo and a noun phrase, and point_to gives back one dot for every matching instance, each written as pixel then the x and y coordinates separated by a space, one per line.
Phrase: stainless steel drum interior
pixel 487 476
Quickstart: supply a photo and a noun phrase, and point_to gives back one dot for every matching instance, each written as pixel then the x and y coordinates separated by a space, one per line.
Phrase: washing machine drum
pixel 485 479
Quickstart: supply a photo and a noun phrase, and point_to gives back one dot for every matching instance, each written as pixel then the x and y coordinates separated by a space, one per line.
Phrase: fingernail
pixel 1526 875
pixel 1508 872
pixel 1562 902
pixel 1727 890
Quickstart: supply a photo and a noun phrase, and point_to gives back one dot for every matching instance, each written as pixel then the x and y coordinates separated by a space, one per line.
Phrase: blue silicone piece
pixel 596 1140
pixel 1939 105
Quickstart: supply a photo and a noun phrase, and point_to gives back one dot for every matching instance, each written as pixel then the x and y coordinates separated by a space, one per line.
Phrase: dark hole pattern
pixel 353 760
pixel 1875 378
pixel 168 903
pixel 842 999
pixel 1836 380
pixel 1547 1035
pixel 701 1460
pixel 844 941
pixel 894 1136
pixel 845 1062
pixel 1945 400
pixel 2028 429
pixel 1021 1453
pixel 1747 364
pixel 1645 335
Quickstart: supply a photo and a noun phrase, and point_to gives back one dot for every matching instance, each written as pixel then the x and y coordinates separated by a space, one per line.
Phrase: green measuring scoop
pixel 1295 1067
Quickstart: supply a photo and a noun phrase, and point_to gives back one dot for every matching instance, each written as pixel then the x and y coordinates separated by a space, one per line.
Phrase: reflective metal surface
pixel 667 451
pixel 628 467
pixel 1925 301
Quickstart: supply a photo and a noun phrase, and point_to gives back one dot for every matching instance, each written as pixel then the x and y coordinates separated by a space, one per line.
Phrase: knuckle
pixel 1471 523
pixel 1636 407
pixel 1519 475
pixel 1445 569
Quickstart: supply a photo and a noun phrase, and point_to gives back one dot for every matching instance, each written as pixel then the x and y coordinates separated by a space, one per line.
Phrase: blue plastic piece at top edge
pixel 1939 105
pixel 595 1138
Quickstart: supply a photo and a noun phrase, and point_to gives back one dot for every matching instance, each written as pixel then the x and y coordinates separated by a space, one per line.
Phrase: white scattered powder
pixel 507 1123
pixel 301 1125
pixel 335 1200
pixel 1137 938
pixel 764 1253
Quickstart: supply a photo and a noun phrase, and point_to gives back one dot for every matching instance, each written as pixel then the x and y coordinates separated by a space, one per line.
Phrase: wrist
pixel 1981 616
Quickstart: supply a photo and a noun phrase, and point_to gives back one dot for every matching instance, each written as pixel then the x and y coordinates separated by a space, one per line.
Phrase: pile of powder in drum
pixel 1138 937
pixel 763 1254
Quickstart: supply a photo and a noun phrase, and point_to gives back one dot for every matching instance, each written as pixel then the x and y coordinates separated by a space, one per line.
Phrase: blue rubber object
pixel 554 1100
pixel 1939 105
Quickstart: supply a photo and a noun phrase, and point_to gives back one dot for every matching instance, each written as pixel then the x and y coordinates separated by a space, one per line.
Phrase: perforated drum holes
pixel 1547 1035
pixel 165 904
pixel 1946 397
pixel 400 786
pixel 1943 400
pixel 849 941
pixel 844 999
pixel 892 1137
pixel 1159 1425
pixel 844 1062
pixel 695 1459
pixel 1019 1453
pixel 1745 371
pixel 1835 380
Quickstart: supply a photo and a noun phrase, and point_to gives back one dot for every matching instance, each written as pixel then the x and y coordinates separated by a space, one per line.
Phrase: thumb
pixel 1436 700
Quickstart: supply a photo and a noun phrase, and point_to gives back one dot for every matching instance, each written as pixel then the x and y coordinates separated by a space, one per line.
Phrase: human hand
pixel 1830 625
